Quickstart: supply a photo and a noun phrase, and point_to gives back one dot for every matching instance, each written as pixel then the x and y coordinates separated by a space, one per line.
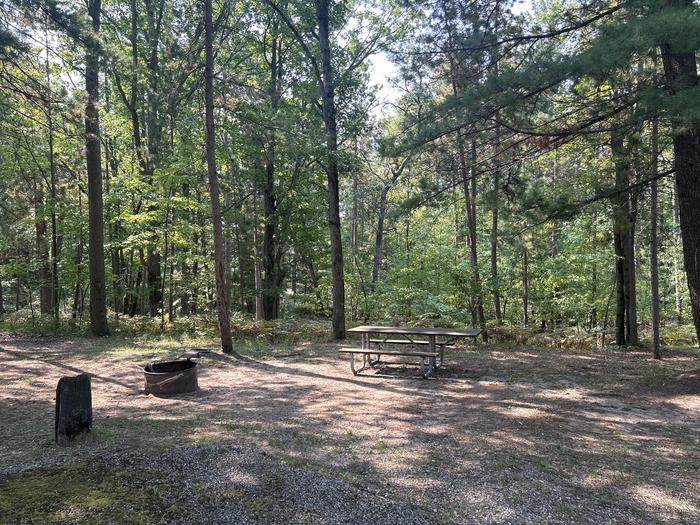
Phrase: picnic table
pixel 381 336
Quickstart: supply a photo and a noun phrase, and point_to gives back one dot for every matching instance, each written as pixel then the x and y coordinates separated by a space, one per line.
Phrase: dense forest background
pixel 526 175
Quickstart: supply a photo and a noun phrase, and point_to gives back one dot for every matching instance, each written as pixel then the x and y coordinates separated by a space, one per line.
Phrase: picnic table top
pixel 418 330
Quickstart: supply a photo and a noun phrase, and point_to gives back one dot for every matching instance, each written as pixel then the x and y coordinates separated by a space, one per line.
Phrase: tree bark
pixel 257 273
pixel 381 215
pixel 2 300
pixel 78 260
pixel 379 236
pixel 526 288
pixel 469 185
pixel 355 219
pixel 52 189
pixel 329 119
pixel 42 249
pixel 219 272
pixel 680 69
pixel 623 234
pixel 654 244
pixel 631 285
pixel 18 291
pixel 494 244
pixel 620 309
pixel 593 316
pixel 678 300
pixel 154 280
pixel 271 267
pixel 98 290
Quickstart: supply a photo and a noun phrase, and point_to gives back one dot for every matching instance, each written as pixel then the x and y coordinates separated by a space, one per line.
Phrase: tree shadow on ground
pixel 541 436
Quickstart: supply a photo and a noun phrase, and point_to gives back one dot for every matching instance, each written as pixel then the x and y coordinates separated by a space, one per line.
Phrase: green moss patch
pixel 85 492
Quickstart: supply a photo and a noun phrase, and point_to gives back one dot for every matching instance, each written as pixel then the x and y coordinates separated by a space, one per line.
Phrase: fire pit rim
pixel 180 378
pixel 189 365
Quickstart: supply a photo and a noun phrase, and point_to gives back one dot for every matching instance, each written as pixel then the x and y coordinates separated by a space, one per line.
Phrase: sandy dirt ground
pixel 499 436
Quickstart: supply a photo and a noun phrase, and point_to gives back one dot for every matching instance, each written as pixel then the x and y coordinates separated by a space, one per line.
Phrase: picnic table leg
pixel 431 348
pixel 431 366
pixel 366 345
pixel 352 364
pixel 366 361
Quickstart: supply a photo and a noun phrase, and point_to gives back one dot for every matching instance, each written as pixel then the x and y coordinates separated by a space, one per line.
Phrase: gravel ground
pixel 236 485
pixel 500 436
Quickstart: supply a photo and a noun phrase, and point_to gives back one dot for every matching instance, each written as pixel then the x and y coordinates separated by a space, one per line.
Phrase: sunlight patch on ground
pixel 521 412
pixel 659 500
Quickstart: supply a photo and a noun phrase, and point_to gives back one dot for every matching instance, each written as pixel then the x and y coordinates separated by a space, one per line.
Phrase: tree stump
pixel 73 408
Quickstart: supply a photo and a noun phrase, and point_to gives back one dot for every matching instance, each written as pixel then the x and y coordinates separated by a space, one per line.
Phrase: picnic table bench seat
pixel 387 352
pixel 367 361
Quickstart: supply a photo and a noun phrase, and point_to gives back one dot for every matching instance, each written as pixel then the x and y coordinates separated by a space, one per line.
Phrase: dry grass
pixel 500 436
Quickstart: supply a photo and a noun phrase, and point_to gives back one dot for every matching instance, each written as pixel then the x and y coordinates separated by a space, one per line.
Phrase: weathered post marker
pixel 73 408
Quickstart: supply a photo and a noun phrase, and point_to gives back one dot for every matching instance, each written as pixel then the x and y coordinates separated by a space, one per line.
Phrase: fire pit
pixel 171 377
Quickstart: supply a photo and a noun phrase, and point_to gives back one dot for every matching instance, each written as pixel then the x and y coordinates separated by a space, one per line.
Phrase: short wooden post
pixel 73 408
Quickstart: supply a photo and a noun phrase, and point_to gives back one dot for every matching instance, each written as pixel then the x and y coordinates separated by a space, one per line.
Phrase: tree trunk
pixel 678 300
pixel 228 250
pixel 2 301
pixel 620 309
pixel 52 189
pixel 379 236
pixel 242 267
pixel 98 291
pixel 116 254
pixel 526 288
pixel 194 296
pixel 631 251
pixel 271 266
pixel 353 226
pixel 469 185
pixel 593 316
pixel 154 280
pixel 117 289
pixel 78 260
pixel 469 238
pixel 681 74
pixel 654 245
pixel 631 284
pixel 619 228
pixel 257 273
pixel 624 217
pixel 219 272
pixel 184 266
pixel 494 249
pixel 270 292
pixel 329 119
pixel 42 250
